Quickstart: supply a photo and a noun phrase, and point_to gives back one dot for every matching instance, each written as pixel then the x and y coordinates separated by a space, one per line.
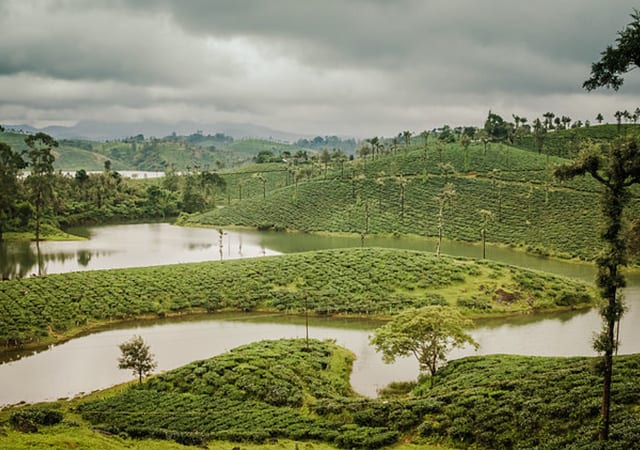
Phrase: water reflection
pixel 16 259
pixel 137 245
pixel 89 363
pixel 83 257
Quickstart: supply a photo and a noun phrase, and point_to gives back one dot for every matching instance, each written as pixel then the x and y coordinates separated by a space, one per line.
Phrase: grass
pixel 47 233
pixel 356 282
pixel 531 210
pixel 507 401
pixel 274 394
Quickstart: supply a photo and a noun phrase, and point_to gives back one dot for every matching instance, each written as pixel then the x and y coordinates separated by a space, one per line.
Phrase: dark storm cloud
pixel 442 39
pixel 361 65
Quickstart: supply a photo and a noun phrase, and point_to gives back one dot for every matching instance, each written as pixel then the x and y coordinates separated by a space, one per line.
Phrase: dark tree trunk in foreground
pixel 615 166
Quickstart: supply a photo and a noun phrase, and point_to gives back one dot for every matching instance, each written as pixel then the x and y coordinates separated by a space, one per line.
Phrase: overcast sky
pixel 351 67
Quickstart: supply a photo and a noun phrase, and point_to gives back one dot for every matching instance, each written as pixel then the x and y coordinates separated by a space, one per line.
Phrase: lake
pixel 89 363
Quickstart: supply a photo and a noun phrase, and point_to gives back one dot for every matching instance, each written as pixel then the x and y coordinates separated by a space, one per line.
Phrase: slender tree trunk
pixel 440 225
pixel 39 258
pixel 610 281
pixel 38 218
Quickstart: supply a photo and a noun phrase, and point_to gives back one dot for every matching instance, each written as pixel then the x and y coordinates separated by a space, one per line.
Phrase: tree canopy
pixel 427 333
pixel 136 355
pixel 10 165
pixel 617 60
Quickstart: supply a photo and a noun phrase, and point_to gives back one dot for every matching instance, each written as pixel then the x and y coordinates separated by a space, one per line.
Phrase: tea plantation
pixel 277 392
pixel 398 194
pixel 361 281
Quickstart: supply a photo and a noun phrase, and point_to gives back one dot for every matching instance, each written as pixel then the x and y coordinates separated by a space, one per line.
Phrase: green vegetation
pixel 503 401
pixel 252 394
pixel 137 356
pixel 272 392
pixel 397 194
pixel 566 143
pixel 207 152
pixel 351 281
pixel 428 333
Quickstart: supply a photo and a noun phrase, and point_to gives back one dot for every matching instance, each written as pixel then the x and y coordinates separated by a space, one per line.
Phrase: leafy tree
pixel 427 333
pixel 484 137
pixel 260 177
pixel 495 127
pixel 325 158
pixel 617 60
pixel 446 134
pixel 539 134
pixel 265 156
pixel 618 115
pixel 136 355
pixel 10 165
pixel 363 152
pixel 192 197
pixel 616 166
pixel 599 118
pixel 548 120
pixel 444 199
pixel 425 137
pixel 406 137
pixel 40 179
pixel 465 141
pixel 486 216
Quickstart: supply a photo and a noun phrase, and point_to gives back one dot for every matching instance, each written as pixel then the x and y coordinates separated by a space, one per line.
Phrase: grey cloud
pixel 358 63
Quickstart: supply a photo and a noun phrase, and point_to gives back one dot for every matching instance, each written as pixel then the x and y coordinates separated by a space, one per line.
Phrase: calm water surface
pixel 137 245
pixel 89 363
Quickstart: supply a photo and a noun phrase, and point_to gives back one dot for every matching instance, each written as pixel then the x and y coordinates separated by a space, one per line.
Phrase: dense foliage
pixel 503 401
pixel 531 208
pixel 426 333
pixel 275 389
pixel 253 393
pixel 154 154
pixel 349 281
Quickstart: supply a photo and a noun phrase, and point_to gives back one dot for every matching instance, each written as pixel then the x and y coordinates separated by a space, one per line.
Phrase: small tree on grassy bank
pixel 427 333
pixel 136 355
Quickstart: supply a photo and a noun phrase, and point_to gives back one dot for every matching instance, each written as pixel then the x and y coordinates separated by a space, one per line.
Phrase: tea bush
pixel 360 281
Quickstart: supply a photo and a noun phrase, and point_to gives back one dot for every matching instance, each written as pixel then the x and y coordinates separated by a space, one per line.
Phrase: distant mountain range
pixel 106 131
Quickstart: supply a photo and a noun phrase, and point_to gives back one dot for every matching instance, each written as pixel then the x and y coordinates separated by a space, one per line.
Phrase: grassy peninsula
pixel 278 394
pixel 362 281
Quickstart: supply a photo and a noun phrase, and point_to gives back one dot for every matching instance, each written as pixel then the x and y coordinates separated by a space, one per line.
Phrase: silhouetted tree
pixel 10 165
pixel 616 166
pixel 617 60
pixel 40 179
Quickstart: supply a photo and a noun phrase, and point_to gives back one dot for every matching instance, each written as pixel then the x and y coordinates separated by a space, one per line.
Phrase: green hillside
pixel 275 392
pixel 566 143
pixel 138 153
pixel 398 193
pixel 369 281
pixel 70 155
